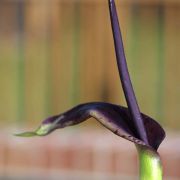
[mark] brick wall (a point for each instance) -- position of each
(80, 154)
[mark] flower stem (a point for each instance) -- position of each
(149, 164)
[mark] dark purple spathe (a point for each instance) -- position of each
(116, 118)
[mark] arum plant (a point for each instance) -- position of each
(126, 122)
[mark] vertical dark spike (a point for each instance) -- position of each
(124, 74)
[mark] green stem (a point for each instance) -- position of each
(149, 164)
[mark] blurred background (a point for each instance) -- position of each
(55, 54)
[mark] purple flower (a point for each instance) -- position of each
(127, 123)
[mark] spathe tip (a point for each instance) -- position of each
(26, 134)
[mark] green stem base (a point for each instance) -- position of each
(149, 164)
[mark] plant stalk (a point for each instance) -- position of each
(124, 74)
(150, 167)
